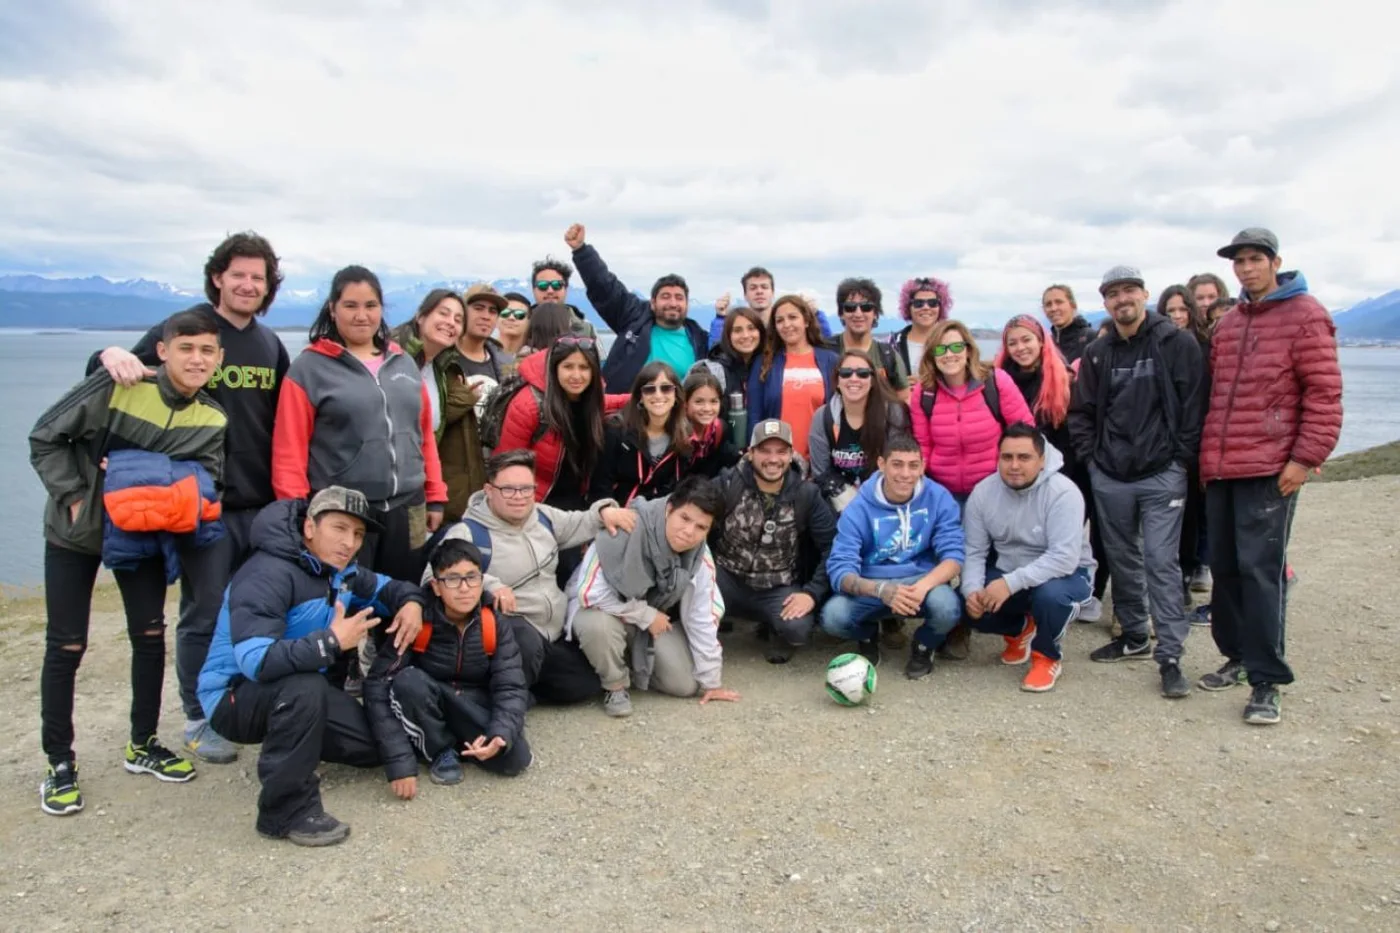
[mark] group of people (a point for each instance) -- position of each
(390, 548)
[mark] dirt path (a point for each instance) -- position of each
(957, 803)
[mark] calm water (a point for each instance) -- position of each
(35, 369)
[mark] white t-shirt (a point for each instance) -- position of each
(916, 356)
(434, 403)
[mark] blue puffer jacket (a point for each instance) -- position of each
(153, 473)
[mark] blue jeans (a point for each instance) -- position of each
(857, 618)
(1052, 605)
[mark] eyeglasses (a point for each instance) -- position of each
(925, 303)
(846, 372)
(513, 492)
(943, 349)
(550, 285)
(515, 314)
(583, 343)
(862, 306)
(454, 581)
(665, 388)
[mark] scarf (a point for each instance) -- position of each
(642, 565)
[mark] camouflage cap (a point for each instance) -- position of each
(340, 499)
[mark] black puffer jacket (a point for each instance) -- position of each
(1074, 337)
(458, 659)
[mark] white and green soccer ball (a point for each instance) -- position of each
(850, 679)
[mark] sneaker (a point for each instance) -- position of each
(1091, 610)
(892, 634)
(958, 645)
(1262, 708)
(617, 703)
(1174, 683)
(1201, 614)
(1018, 647)
(871, 650)
(920, 662)
(446, 768)
(59, 794)
(1201, 581)
(779, 652)
(1043, 674)
(1123, 649)
(153, 758)
(1231, 674)
(207, 745)
(318, 829)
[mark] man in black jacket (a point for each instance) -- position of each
(1068, 328)
(1135, 419)
(458, 691)
(656, 330)
(770, 549)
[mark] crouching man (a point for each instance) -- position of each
(292, 619)
(623, 594)
(458, 691)
(1032, 517)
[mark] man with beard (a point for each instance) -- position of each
(1135, 419)
(1029, 518)
(646, 331)
(1068, 328)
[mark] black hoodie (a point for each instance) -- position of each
(1075, 336)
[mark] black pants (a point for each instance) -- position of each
(764, 607)
(301, 721)
(437, 717)
(1248, 522)
(565, 676)
(204, 575)
(1080, 475)
(68, 581)
(397, 551)
(1193, 522)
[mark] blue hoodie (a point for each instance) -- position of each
(878, 540)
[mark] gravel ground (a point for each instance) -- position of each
(955, 803)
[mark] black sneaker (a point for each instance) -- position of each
(920, 662)
(871, 650)
(1262, 708)
(315, 830)
(59, 794)
(1123, 649)
(446, 768)
(1174, 683)
(1231, 674)
(779, 651)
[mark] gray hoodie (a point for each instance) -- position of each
(1038, 532)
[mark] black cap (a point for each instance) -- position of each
(1250, 238)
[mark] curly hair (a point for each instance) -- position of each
(246, 245)
(926, 284)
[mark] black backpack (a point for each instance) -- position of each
(493, 417)
(991, 393)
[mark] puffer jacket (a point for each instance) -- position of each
(961, 438)
(455, 657)
(627, 469)
(1276, 391)
(1073, 338)
(148, 499)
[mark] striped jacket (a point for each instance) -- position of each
(70, 440)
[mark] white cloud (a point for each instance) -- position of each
(1000, 145)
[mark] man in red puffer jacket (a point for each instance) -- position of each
(1275, 413)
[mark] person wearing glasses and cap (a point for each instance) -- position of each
(549, 282)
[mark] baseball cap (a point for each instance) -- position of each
(767, 430)
(1120, 274)
(1256, 237)
(340, 499)
(483, 292)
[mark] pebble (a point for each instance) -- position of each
(1273, 926)
(1385, 698)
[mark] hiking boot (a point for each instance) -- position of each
(920, 662)
(779, 652)
(317, 829)
(617, 703)
(958, 645)
(207, 745)
(871, 650)
(1231, 674)
(155, 759)
(1123, 649)
(446, 768)
(1262, 708)
(58, 793)
(1174, 683)
(1201, 580)
(892, 634)
(1018, 647)
(1043, 674)
(1091, 610)
(1201, 614)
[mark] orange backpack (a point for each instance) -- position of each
(488, 633)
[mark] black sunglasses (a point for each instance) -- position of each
(866, 306)
(846, 372)
(925, 303)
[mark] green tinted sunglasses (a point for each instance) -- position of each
(550, 285)
(515, 314)
(943, 349)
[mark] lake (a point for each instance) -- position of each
(35, 369)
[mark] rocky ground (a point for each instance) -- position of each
(956, 803)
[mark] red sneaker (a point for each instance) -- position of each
(1018, 647)
(1043, 674)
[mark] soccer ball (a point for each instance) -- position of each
(850, 679)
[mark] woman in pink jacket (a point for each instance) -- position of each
(953, 410)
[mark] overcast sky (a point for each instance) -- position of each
(1001, 144)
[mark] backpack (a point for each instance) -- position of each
(488, 633)
(480, 537)
(493, 416)
(990, 392)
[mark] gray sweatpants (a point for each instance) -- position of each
(607, 642)
(1141, 527)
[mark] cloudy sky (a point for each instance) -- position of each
(1001, 144)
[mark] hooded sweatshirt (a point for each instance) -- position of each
(633, 575)
(880, 540)
(1038, 532)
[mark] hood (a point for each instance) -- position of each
(478, 509)
(328, 347)
(406, 335)
(532, 368)
(277, 531)
(1290, 285)
(1150, 322)
(1077, 323)
(873, 491)
(1054, 460)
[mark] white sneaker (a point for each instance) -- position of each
(1091, 610)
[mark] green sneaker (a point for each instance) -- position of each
(154, 758)
(59, 794)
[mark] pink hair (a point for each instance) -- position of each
(1052, 404)
(926, 284)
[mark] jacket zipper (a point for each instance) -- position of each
(1234, 387)
(461, 643)
(389, 422)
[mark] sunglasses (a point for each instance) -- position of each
(865, 306)
(665, 388)
(925, 303)
(551, 285)
(515, 314)
(455, 581)
(943, 349)
(583, 343)
(846, 372)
